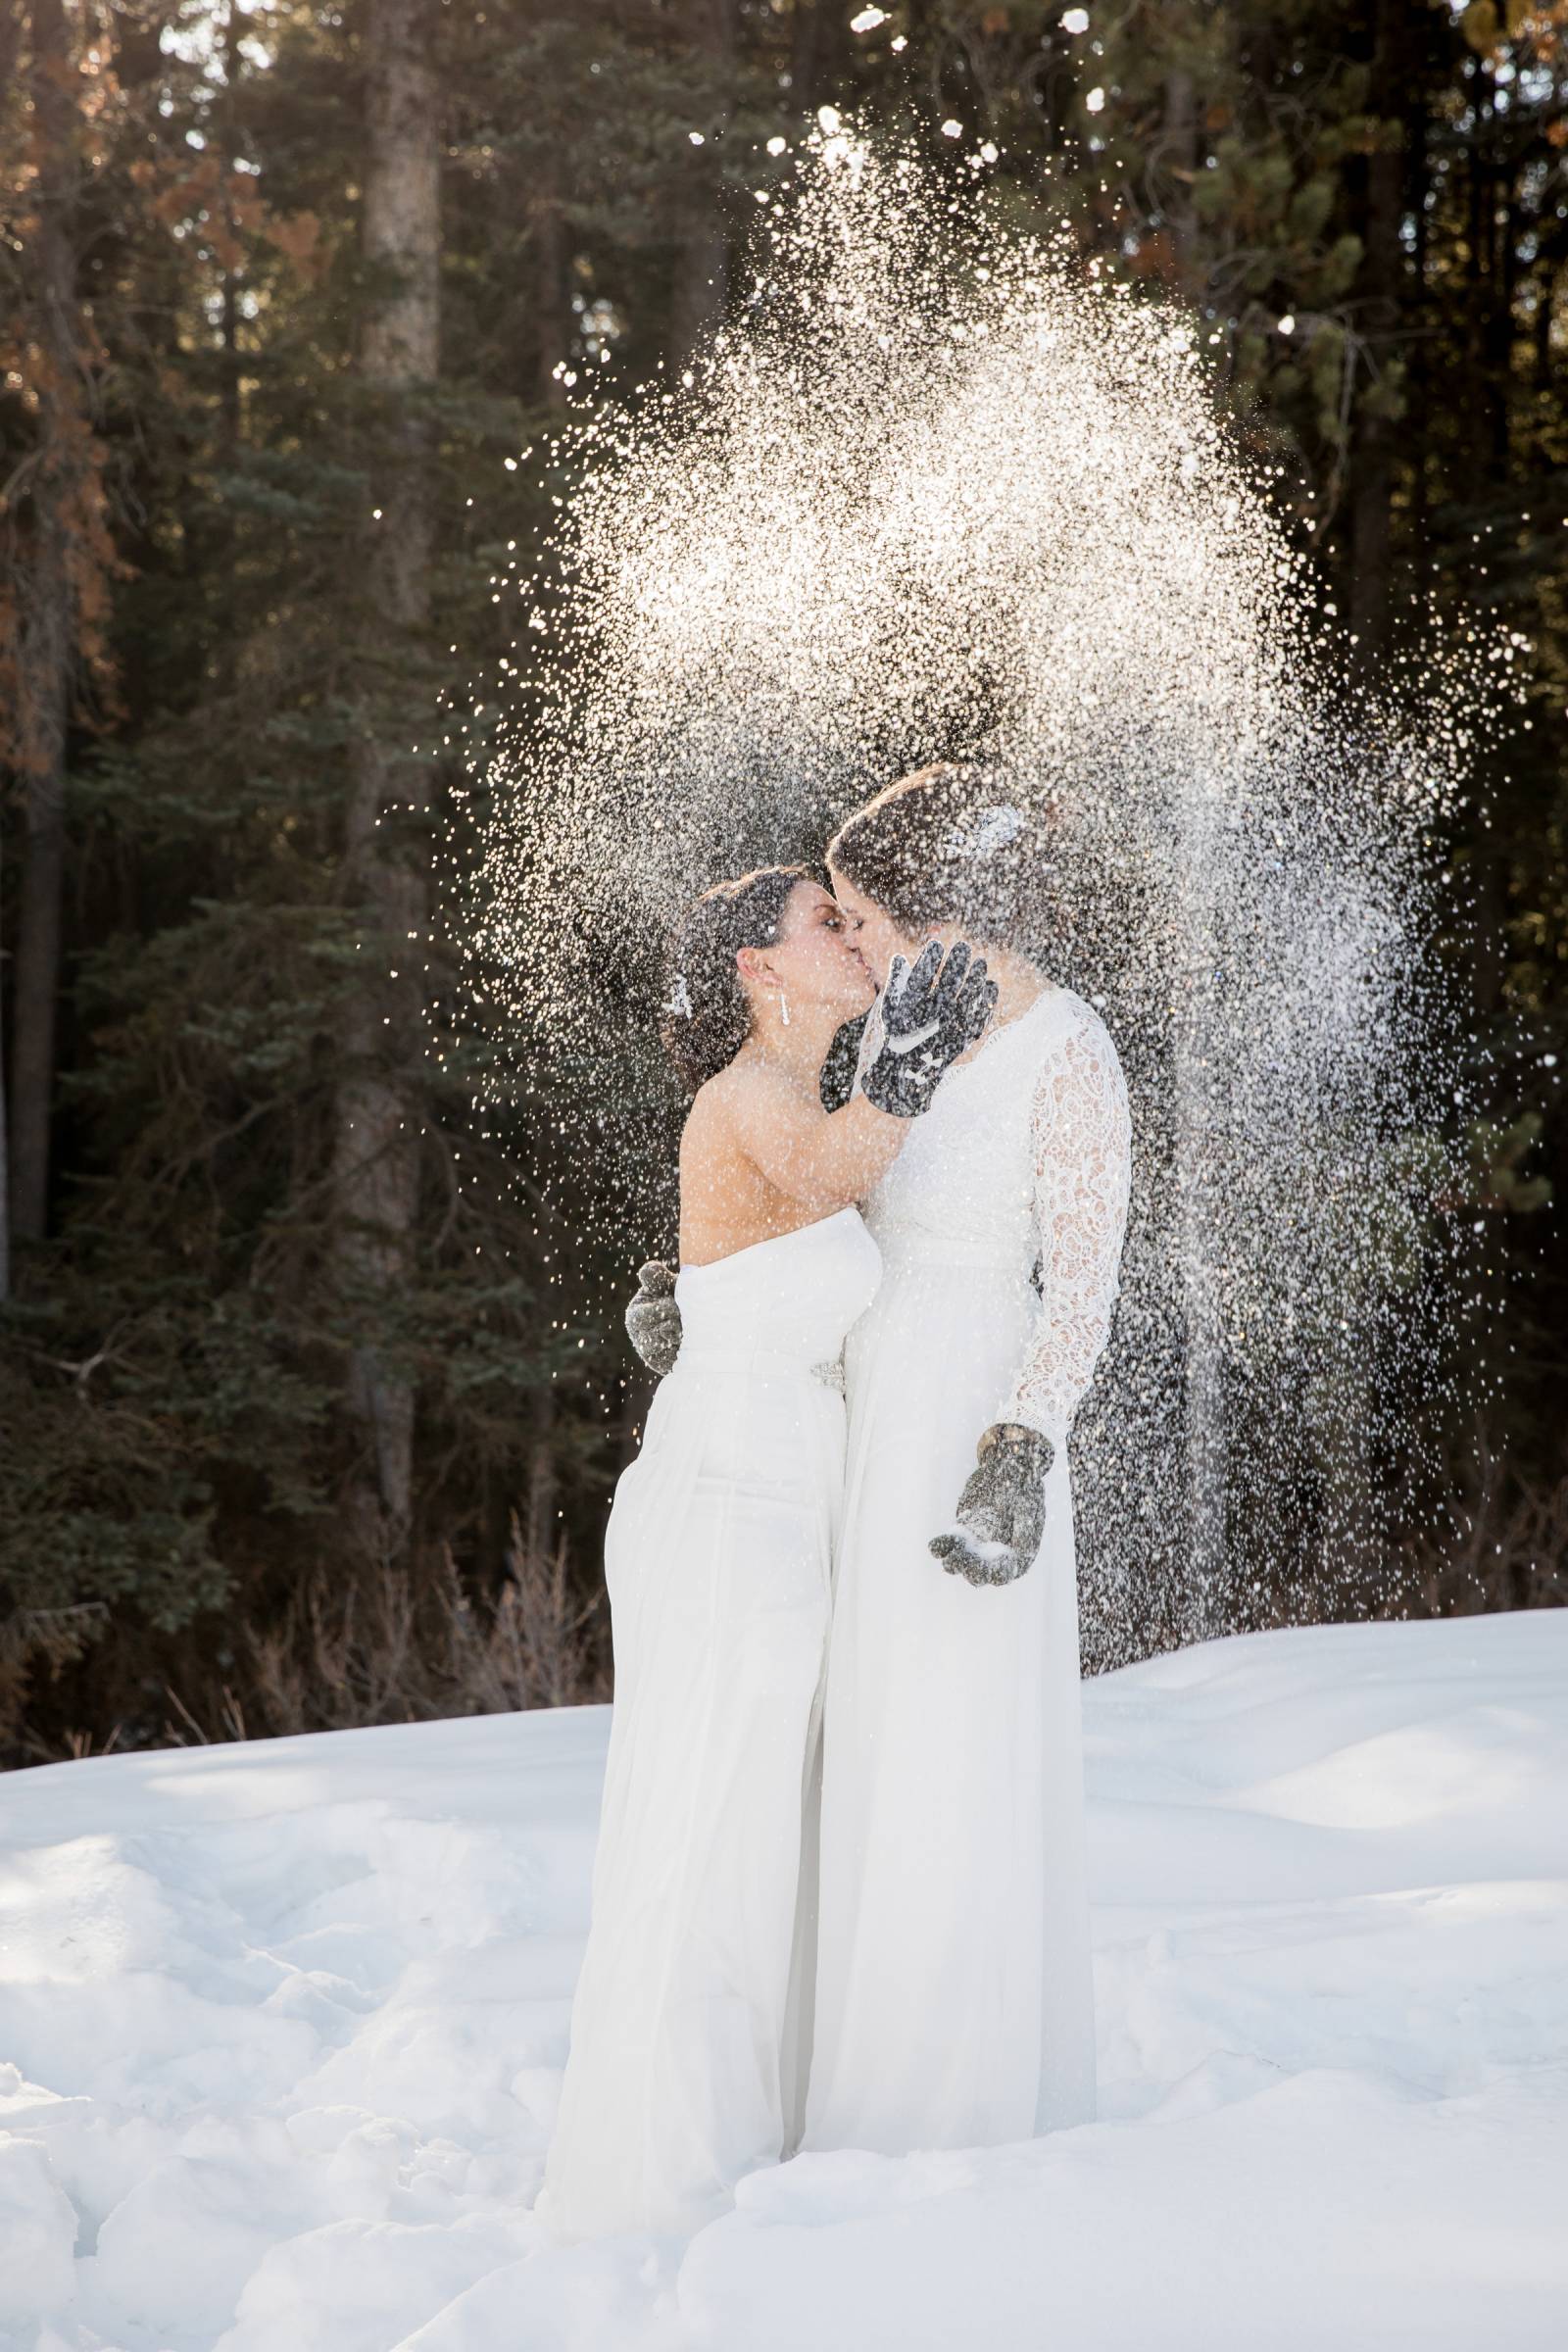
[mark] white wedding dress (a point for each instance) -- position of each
(684, 2070)
(954, 2002)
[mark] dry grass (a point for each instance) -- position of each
(416, 1643)
(1511, 1551)
(409, 1647)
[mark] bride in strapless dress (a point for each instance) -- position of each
(686, 2064)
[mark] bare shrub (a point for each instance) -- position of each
(37, 1639)
(1508, 1549)
(410, 1647)
(546, 1646)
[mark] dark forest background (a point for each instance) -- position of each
(295, 1429)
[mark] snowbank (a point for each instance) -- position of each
(281, 2028)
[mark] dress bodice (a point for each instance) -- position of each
(962, 1187)
(1023, 1163)
(794, 1296)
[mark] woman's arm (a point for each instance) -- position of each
(1082, 1179)
(769, 1124)
(927, 1016)
(825, 1160)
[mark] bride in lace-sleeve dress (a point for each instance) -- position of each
(954, 1986)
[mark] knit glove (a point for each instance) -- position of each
(1002, 1511)
(930, 1013)
(653, 1318)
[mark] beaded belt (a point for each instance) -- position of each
(731, 1361)
(909, 1250)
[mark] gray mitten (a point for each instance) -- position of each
(1002, 1511)
(930, 1014)
(652, 1319)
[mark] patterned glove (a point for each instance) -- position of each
(652, 1319)
(1002, 1511)
(929, 1017)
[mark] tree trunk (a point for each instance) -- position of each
(376, 1144)
(804, 49)
(552, 318)
(46, 635)
(702, 251)
(1420, 313)
(1377, 434)
(543, 1488)
(1181, 154)
(5, 1156)
(229, 143)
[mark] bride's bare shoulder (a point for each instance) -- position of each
(727, 1104)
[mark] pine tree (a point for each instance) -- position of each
(54, 554)
(219, 1307)
(375, 1168)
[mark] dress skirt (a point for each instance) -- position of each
(954, 2001)
(686, 2068)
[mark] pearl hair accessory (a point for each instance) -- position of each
(984, 832)
(678, 1004)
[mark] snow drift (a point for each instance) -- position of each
(281, 2028)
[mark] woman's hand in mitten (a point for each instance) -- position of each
(653, 1318)
(929, 1014)
(1002, 1511)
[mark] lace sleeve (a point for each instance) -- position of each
(1082, 1178)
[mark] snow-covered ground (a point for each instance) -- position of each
(285, 2025)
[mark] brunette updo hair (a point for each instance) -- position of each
(704, 1018)
(952, 844)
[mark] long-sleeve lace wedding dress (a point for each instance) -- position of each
(954, 2002)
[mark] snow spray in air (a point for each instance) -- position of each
(939, 493)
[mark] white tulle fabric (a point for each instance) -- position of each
(954, 2002)
(686, 2065)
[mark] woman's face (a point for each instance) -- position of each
(873, 929)
(814, 960)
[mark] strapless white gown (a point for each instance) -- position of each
(954, 2002)
(685, 2068)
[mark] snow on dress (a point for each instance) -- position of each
(718, 1560)
(954, 1998)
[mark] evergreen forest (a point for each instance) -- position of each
(298, 1426)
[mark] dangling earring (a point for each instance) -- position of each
(784, 1007)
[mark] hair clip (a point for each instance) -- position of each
(987, 830)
